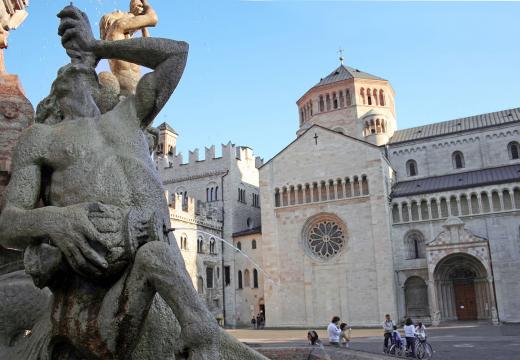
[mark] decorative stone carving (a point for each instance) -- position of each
(324, 236)
(86, 204)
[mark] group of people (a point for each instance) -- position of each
(411, 331)
(339, 333)
(258, 322)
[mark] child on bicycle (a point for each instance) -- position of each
(420, 330)
(345, 335)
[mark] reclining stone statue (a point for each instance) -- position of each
(86, 205)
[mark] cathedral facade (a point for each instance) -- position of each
(360, 219)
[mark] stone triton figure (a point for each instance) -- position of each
(86, 205)
(119, 25)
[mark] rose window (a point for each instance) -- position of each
(324, 237)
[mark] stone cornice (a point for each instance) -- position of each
(194, 177)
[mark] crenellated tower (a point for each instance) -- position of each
(352, 102)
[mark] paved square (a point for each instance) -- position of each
(458, 341)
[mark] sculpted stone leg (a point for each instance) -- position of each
(158, 269)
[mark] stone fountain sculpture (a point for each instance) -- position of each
(87, 207)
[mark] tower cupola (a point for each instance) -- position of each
(346, 101)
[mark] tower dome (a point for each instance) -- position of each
(345, 100)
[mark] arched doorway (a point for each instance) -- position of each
(463, 289)
(416, 298)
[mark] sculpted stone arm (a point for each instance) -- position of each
(20, 223)
(167, 58)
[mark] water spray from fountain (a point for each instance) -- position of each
(235, 248)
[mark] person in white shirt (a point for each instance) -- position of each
(409, 334)
(420, 330)
(334, 331)
(388, 327)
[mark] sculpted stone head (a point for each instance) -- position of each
(72, 94)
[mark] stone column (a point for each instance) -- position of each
(434, 302)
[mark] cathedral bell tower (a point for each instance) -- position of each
(351, 102)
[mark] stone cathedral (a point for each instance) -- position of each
(359, 219)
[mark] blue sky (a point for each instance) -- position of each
(250, 61)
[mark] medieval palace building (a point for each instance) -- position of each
(354, 217)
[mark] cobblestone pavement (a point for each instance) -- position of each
(460, 341)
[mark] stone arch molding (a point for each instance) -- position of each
(456, 238)
(324, 236)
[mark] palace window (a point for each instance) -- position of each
(184, 242)
(458, 160)
(239, 245)
(227, 275)
(239, 279)
(242, 195)
(209, 277)
(256, 200)
(514, 150)
(200, 245)
(411, 167)
(212, 247)
(255, 279)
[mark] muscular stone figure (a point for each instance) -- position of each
(86, 205)
(120, 25)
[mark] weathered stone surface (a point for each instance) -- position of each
(86, 204)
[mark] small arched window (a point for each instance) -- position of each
(239, 245)
(458, 160)
(362, 93)
(514, 150)
(255, 279)
(369, 97)
(212, 247)
(322, 104)
(414, 244)
(411, 168)
(253, 244)
(381, 98)
(200, 245)
(239, 279)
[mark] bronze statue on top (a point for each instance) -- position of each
(120, 25)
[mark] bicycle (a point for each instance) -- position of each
(397, 349)
(423, 349)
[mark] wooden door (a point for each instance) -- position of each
(465, 300)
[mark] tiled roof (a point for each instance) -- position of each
(165, 126)
(344, 73)
(457, 125)
(497, 175)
